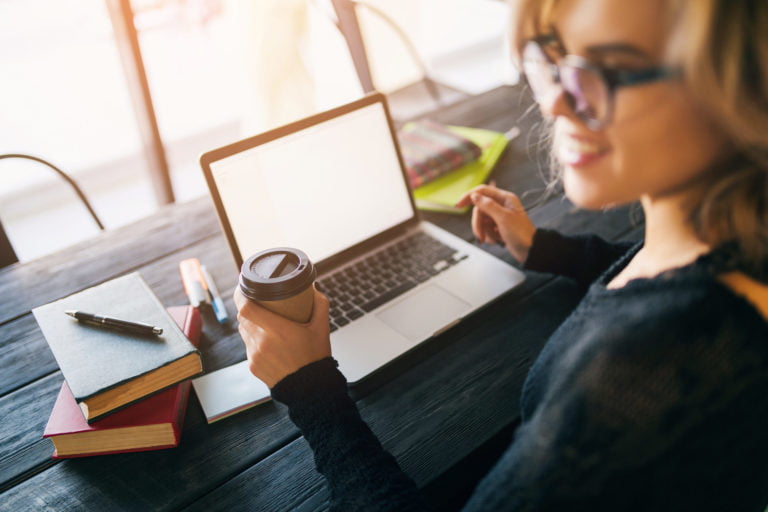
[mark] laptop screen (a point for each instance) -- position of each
(322, 189)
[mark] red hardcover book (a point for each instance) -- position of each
(150, 424)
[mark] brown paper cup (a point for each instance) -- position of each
(297, 308)
(280, 280)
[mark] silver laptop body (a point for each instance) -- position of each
(334, 186)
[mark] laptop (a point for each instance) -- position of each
(334, 186)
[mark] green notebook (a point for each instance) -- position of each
(442, 194)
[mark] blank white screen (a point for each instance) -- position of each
(322, 189)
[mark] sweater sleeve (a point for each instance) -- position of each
(582, 258)
(361, 475)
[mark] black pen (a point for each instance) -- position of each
(114, 323)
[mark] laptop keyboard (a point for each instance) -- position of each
(362, 287)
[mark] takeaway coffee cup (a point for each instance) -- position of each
(280, 280)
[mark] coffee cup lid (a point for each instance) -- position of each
(276, 274)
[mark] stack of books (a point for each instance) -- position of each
(443, 162)
(123, 391)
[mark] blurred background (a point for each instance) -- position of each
(214, 71)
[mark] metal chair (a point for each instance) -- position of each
(7, 254)
(347, 22)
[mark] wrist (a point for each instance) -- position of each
(318, 378)
(523, 247)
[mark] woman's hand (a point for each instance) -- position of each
(499, 217)
(277, 347)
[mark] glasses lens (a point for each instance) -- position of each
(584, 86)
(539, 71)
(587, 92)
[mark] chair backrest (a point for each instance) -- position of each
(7, 254)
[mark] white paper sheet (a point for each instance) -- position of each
(228, 391)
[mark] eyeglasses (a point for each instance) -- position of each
(589, 89)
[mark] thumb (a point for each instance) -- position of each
(464, 200)
(515, 202)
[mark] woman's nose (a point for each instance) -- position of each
(556, 104)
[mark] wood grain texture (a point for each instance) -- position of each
(25, 351)
(107, 255)
(207, 456)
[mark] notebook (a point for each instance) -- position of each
(334, 185)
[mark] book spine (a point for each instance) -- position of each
(181, 406)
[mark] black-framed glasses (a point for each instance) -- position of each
(589, 89)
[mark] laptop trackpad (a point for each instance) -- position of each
(421, 314)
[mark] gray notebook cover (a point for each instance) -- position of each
(93, 359)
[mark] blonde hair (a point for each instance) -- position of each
(722, 47)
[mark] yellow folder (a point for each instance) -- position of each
(442, 194)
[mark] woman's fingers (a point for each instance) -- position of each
(263, 317)
(513, 202)
(465, 200)
(239, 298)
(479, 222)
(499, 217)
(489, 190)
(503, 197)
(485, 225)
(490, 207)
(319, 318)
(276, 346)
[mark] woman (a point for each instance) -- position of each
(653, 395)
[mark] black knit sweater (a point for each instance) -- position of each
(649, 397)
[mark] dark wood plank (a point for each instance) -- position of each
(212, 454)
(32, 401)
(285, 481)
(273, 425)
(221, 345)
(207, 456)
(28, 461)
(23, 425)
(105, 256)
(24, 347)
(25, 351)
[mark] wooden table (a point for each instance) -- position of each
(444, 411)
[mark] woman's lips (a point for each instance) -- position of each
(577, 152)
